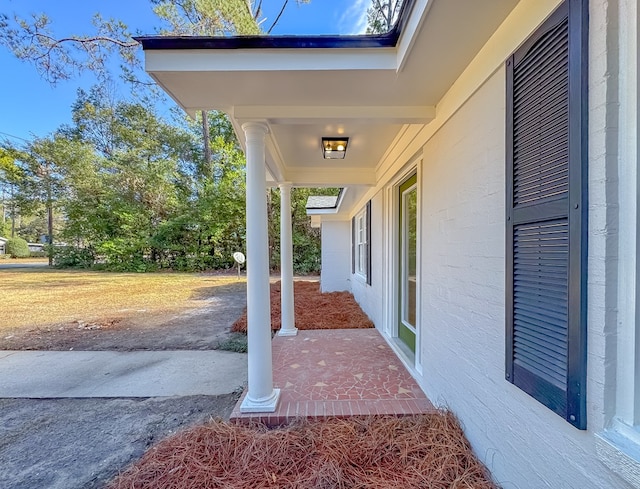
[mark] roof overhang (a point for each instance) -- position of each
(368, 88)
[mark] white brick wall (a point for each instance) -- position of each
(370, 296)
(336, 256)
(462, 187)
(524, 444)
(462, 191)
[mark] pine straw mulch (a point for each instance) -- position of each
(314, 310)
(427, 451)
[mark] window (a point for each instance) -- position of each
(546, 214)
(618, 445)
(361, 243)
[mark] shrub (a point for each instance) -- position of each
(38, 254)
(72, 257)
(17, 248)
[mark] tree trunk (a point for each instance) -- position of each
(207, 144)
(50, 226)
(273, 228)
(13, 215)
(4, 207)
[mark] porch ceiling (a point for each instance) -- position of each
(367, 94)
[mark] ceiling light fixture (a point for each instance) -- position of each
(334, 148)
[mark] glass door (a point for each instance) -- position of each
(408, 220)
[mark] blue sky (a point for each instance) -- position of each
(29, 106)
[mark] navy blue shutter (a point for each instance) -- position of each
(546, 215)
(368, 221)
(353, 245)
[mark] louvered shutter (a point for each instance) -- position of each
(353, 245)
(546, 248)
(368, 247)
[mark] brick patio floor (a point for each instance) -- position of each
(339, 372)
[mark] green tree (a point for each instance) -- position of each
(211, 18)
(210, 225)
(137, 180)
(10, 175)
(60, 58)
(306, 240)
(41, 188)
(149, 193)
(382, 15)
(63, 57)
(17, 248)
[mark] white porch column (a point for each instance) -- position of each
(288, 325)
(261, 396)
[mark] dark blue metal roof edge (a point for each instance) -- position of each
(266, 42)
(390, 39)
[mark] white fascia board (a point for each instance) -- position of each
(411, 30)
(226, 60)
(320, 114)
(331, 177)
(321, 212)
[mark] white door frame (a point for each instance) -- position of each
(392, 258)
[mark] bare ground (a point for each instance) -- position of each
(84, 443)
(201, 327)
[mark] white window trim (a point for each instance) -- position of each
(405, 257)
(618, 445)
(391, 280)
(360, 247)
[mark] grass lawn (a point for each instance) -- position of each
(8, 259)
(36, 297)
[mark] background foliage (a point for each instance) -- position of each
(129, 191)
(122, 187)
(17, 248)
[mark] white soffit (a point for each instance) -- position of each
(303, 94)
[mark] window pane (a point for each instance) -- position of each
(410, 230)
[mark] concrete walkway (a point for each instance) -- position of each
(37, 264)
(109, 374)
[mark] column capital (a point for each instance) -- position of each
(285, 184)
(255, 128)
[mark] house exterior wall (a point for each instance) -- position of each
(462, 278)
(463, 311)
(368, 296)
(336, 256)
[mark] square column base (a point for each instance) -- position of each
(288, 332)
(268, 405)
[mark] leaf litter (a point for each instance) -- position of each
(314, 309)
(373, 452)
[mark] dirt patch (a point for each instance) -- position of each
(366, 452)
(83, 443)
(203, 326)
(42, 297)
(314, 310)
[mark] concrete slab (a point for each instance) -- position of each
(82, 374)
(8, 266)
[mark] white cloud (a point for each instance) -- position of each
(354, 19)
